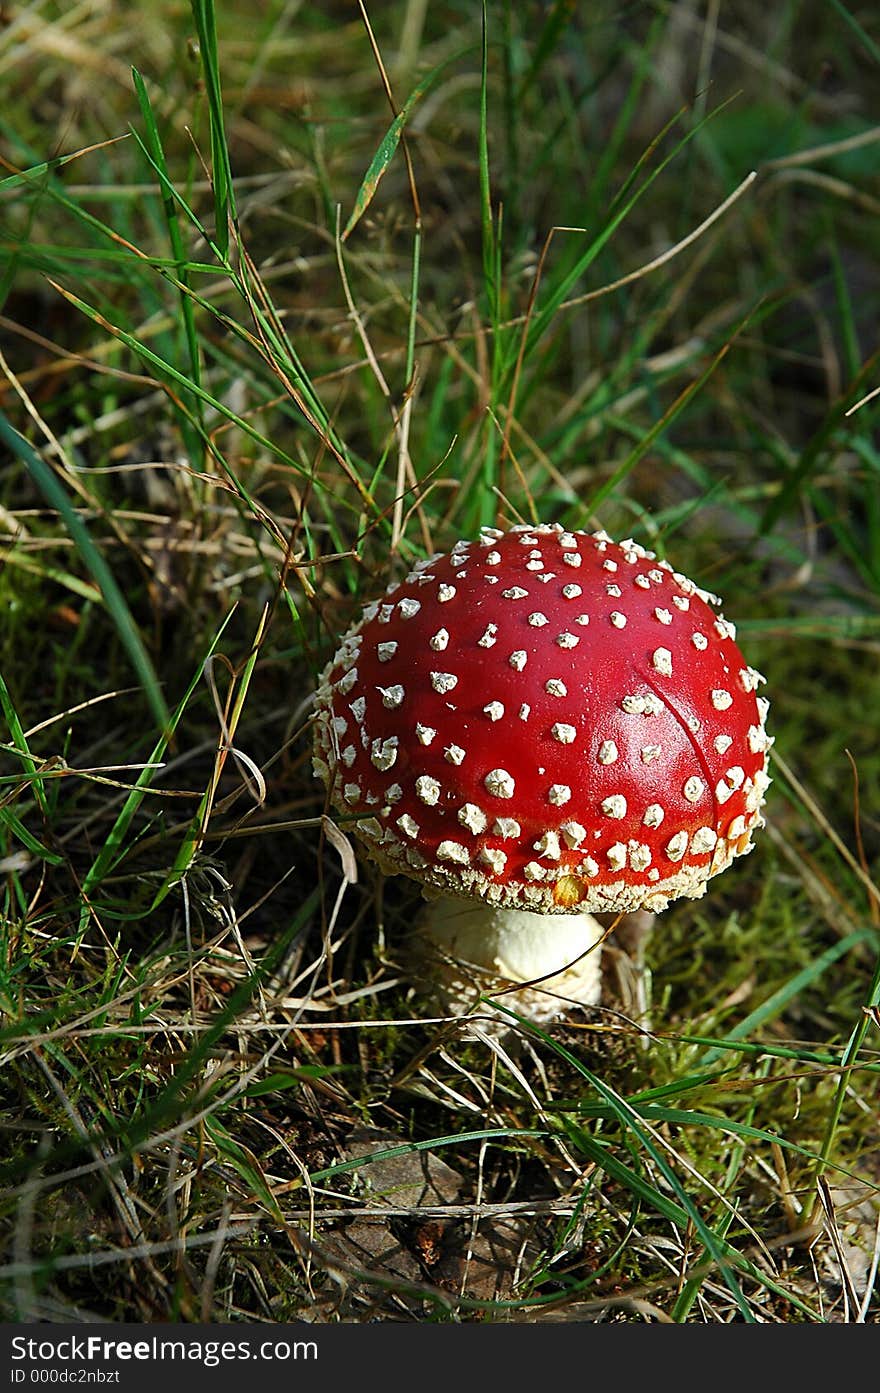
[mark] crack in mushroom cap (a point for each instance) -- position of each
(651, 728)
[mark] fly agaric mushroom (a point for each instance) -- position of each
(541, 726)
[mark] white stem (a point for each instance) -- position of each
(560, 953)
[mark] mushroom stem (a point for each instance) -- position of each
(475, 947)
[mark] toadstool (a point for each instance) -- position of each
(541, 726)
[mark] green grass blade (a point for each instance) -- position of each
(567, 281)
(869, 45)
(55, 494)
(19, 740)
(111, 850)
(777, 1002)
(814, 453)
(196, 831)
(486, 221)
(175, 237)
(613, 482)
(856, 1040)
(433, 1143)
(376, 169)
(391, 140)
(221, 169)
(243, 1160)
(168, 371)
(721, 1253)
(560, 16)
(31, 843)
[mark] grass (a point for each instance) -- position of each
(301, 299)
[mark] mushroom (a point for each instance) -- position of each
(541, 726)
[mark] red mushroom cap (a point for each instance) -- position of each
(548, 720)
